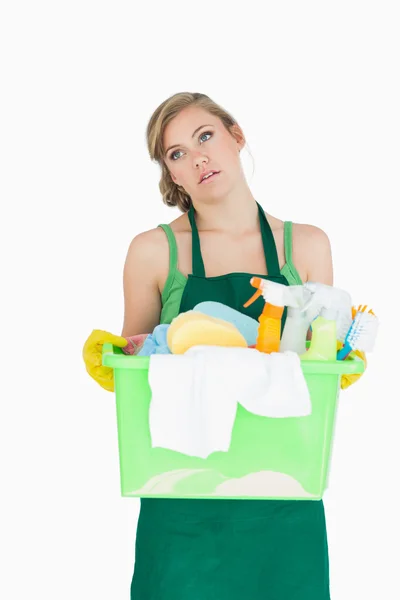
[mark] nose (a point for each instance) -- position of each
(199, 159)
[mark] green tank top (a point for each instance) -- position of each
(176, 281)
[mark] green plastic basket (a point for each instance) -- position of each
(269, 458)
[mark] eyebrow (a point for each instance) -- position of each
(194, 133)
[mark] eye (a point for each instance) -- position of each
(205, 133)
(173, 154)
(200, 136)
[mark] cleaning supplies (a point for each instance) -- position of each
(156, 342)
(295, 331)
(323, 339)
(196, 329)
(247, 326)
(296, 327)
(330, 309)
(331, 315)
(335, 303)
(179, 321)
(361, 335)
(276, 296)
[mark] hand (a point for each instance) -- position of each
(349, 378)
(92, 355)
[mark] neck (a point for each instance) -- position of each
(236, 213)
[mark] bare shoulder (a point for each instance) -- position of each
(148, 242)
(312, 253)
(148, 253)
(152, 245)
(311, 236)
(149, 250)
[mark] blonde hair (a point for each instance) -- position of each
(173, 194)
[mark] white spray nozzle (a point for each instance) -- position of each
(278, 294)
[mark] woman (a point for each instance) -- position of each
(218, 549)
(247, 549)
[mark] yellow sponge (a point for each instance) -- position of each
(189, 316)
(196, 329)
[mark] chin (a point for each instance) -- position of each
(214, 196)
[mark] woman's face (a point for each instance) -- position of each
(200, 142)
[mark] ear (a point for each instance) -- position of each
(238, 134)
(174, 179)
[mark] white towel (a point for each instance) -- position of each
(195, 395)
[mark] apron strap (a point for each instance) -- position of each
(270, 252)
(197, 259)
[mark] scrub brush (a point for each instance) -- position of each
(360, 308)
(361, 334)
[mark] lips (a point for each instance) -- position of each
(210, 177)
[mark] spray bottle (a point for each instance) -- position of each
(295, 331)
(276, 296)
(330, 316)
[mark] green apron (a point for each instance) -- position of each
(230, 549)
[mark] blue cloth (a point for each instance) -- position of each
(156, 342)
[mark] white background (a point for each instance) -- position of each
(315, 86)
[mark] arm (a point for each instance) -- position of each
(142, 303)
(142, 299)
(313, 255)
(318, 256)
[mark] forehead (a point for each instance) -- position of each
(184, 124)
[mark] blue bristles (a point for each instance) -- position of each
(361, 335)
